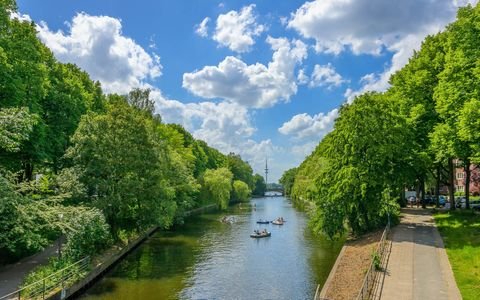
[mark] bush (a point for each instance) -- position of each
(88, 234)
(241, 191)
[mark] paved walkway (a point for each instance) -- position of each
(418, 266)
(11, 276)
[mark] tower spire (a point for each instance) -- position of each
(266, 170)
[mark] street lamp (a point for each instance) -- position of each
(60, 216)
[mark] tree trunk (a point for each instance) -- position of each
(28, 171)
(417, 192)
(467, 183)
(422, 190)
(451, 184)
(437, 188)
(402, 198)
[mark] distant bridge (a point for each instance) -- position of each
(274, 192)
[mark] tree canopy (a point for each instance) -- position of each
(405, 137)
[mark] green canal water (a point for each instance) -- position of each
(208, 259)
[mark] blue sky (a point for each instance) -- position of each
(260, 78)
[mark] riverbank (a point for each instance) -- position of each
(346, 277)
(109, 258)
(12, 276)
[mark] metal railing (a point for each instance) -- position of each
(53, 283)
(370, 277)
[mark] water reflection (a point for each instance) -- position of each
(208, 259)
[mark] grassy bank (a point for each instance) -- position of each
(461, 233)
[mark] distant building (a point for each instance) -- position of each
(460, 178)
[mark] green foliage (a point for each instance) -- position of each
(241, 191)
(26, 224)
(125, 184)
(469, 127)
(16, 124)
(288, 179)
(88, 234)
(219, 184)
(377, 262)
(241, 170)
(383, 143)
(40, 273)
(260, 186)
(359, 160)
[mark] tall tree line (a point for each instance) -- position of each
(72, 156)
(410, 136)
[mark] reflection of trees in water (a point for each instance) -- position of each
(156, 259)
(168, 253)
(321, 258)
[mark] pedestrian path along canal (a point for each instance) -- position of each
(208, 259)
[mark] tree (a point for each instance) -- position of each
(120, 167)
(363, 159)
(287, 180)
(219, 184)
(458, 84)
(241, 191)
(140, 98)
(260, 186)
(413, 89)
(24, 83)
(70, 96)
(469, 127)
(241, 170)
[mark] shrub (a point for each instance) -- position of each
(88, 234)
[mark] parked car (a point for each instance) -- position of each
(442, 200)
(429, 200)
(475, 205)
(460, 202)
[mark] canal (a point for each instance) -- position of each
(208, 259)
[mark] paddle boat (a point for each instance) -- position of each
(260, 234)
(278, 221)
(263, 222)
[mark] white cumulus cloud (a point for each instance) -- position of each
(202, 28)
(254, 85)
(237, 30)
(366, 26)
(225, 126)
(373, 27)
(305, 126)
(325, 75)
(97, 45)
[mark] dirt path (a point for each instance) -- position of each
(418, 266)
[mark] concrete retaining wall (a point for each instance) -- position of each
(326, 286)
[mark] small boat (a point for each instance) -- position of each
(258, 234)
(279, 221)
(263, 222)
